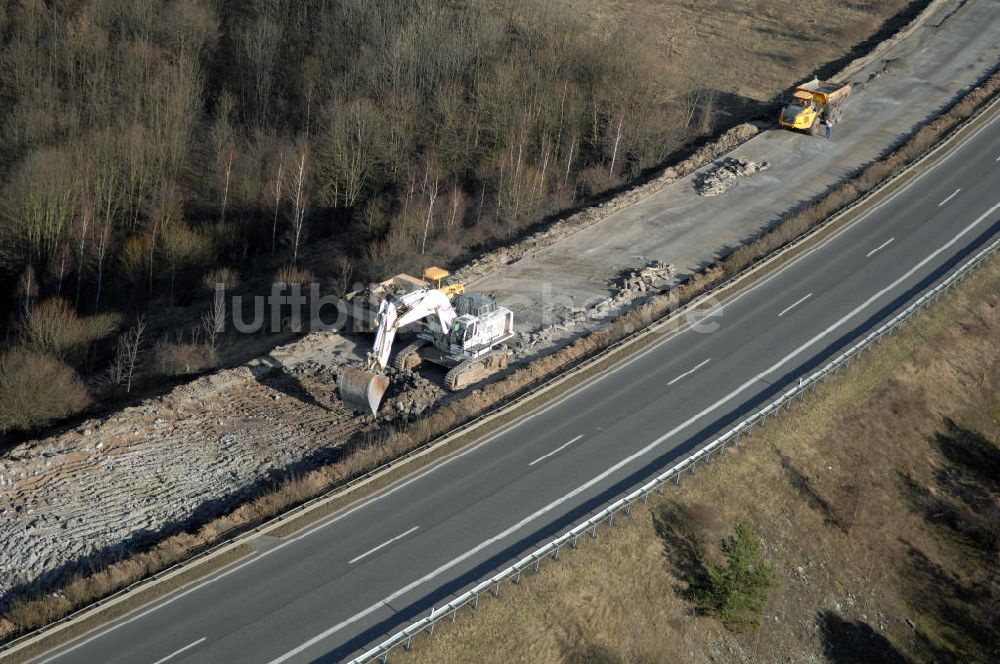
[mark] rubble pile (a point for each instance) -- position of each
(717, 180)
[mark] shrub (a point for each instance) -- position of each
(294, 275)
(54, 327)
(737, 591)
(180, 359)
(36, 389)
(226, 276)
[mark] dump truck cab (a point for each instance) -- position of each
(800, 112)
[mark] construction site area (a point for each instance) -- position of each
(86, 496)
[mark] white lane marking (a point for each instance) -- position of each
(629, 459)
(401, 484)
(953, 195)
(689, 372)
(879, 248)
(382, 545)
(794, 304)
(179, 651)
(556, 451)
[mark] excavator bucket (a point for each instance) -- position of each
(362, 390)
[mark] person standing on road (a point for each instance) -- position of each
(829, 128)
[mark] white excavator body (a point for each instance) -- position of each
(467, 343)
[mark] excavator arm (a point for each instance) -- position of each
(364, 389)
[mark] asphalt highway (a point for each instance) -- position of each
(331, 591)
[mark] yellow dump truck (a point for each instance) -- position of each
(810, 102)
(364, 303)
(442, 280)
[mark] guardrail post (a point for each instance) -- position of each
(555, 556)
(385, 657)
(538, 562)
(430, 629)
(517, 578)
(574, 542)
(475, 602)
(593, 532)
(645, 498)
(496, 590)
(406, 646)
(454, 614)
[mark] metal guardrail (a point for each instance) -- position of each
(623, 506)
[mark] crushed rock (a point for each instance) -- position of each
(717, 180)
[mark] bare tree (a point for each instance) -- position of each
(618, 138)
(432, 192)
(27, 289)
(299, 207)
(103, 238)
(213, 321)
(225, 188)
(277, 203)
(82, 228)
(122, 368)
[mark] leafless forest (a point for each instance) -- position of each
(151, 148)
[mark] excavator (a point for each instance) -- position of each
(464, 334)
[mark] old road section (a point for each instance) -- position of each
(328, 592)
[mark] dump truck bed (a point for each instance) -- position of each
(364, 304)
(825, 92)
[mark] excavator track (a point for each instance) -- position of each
(408, 357)
(474, 370)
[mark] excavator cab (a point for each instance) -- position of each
(443, 280)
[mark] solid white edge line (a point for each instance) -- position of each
(879, 248)
(556, 451)
(794, 304)
(632, 457)
(743, 292)
(689, 372)
(382, 545)
(953, 195)
(179, 651)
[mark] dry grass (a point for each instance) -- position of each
(385, 445)
(878, 502)
(181, 359)
(749, 49)
(294, 275)
(227, 276)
